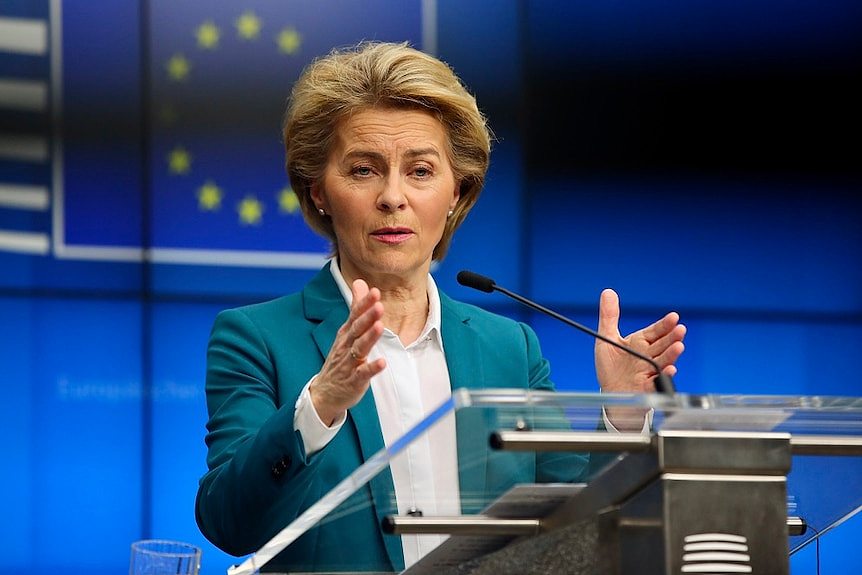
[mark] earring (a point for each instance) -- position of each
(449, 215)
(321, 211)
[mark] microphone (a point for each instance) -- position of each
(663, 382)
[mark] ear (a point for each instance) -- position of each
(316, 194)
(456, 196)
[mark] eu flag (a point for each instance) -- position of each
(159, 138)
(220, 75)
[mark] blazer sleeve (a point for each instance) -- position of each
(257, 467)
(539, 369)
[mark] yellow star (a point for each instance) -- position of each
(248, 25)
(250, 211)
(288, 40)
(178, 67)
(179, 161)
(208, 35)
(287, 201)
(209, 197)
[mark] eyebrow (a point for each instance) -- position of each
(413, 153)
(422, 152)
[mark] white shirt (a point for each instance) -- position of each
(414, 383)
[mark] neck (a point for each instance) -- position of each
(405, 301)
(405, 312)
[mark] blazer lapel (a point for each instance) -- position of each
(461, 344)
(366, 424)
(324, 304)
(464, 360)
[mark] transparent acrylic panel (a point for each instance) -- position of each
(823, 490)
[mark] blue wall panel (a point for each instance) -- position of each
(17, 421)
(80, 434)
(698, 244)
(179, 337)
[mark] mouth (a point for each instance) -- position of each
(394, 235)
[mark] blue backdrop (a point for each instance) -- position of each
(692, 157)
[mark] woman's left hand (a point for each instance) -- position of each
(621, 372)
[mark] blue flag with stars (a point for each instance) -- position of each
(221, 74)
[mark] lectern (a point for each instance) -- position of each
(711, 484)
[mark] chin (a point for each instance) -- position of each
(396, 264)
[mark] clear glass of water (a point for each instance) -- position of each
(162, 557)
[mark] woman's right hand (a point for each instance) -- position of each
(346, 374)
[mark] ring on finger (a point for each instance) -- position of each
(356, 357)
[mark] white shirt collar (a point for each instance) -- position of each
(432, 324)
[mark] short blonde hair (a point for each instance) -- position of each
(373, 75)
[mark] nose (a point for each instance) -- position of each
(392, 197)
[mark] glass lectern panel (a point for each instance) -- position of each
(446, 466)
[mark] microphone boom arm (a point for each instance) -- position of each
(663, 383)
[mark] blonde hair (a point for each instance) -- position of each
(374, 75)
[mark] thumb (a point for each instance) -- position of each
(609, 314)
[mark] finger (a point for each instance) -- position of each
(364, 299)
(369, 369)
(357, 356)
(362, 345)
(359, 289)
(358, 326)
(657, 347)
(669, 356)
(609, 314)
(662, 327)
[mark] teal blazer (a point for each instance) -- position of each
(258, 361)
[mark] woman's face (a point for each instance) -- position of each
(388, 187)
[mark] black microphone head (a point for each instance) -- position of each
(476, 281)
(664, 384)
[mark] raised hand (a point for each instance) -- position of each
(346, 373)
(618, 371)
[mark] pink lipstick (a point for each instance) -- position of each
(392, 235)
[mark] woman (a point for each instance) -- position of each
(387, 153)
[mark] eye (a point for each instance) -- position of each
(422, 172)
(363, 171)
